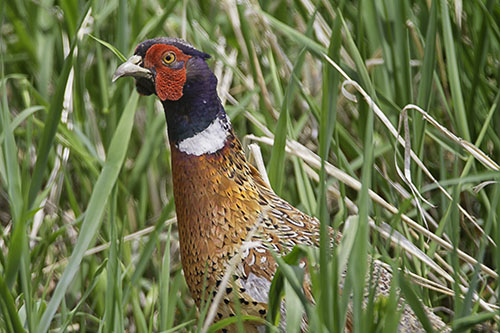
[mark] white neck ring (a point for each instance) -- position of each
(208, 141)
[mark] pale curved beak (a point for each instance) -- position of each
(131, 68)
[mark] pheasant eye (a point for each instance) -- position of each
(169, 58)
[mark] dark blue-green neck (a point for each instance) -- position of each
(198, 107)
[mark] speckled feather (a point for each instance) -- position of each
(219, 198)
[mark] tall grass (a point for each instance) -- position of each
(86, 208)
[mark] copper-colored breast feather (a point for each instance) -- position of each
(216, 204)
(219, 199)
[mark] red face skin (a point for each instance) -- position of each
(170, 65)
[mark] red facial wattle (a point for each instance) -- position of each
(170, 78)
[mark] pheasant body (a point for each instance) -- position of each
(220, 198)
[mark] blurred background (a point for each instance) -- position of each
(88, 236)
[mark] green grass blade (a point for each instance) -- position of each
(9, 307)
(427, 72)
(398, 15)
(359, 255)
(20, 118)
(412, 300)
(480, 57)
(454, 73)
(13, 189)
(164, 285)
(358, 60)
(297, 36)
(327, 125)
(294, 309)
(148, 249)
(110, 47)
(113, 304)
(122, 26)
(53, 117)
(277, 163)
(95, 209)
(18, 252)
(469, 323)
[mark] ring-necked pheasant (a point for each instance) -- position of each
(219, 196)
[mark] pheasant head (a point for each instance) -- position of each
(165, 66)
(178, 74)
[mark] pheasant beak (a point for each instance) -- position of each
(132, 68)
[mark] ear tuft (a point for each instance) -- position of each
(184, 46)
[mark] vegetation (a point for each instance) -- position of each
(88, 240)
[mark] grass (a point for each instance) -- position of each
(88, 240)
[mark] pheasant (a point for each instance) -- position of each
(221, 199)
